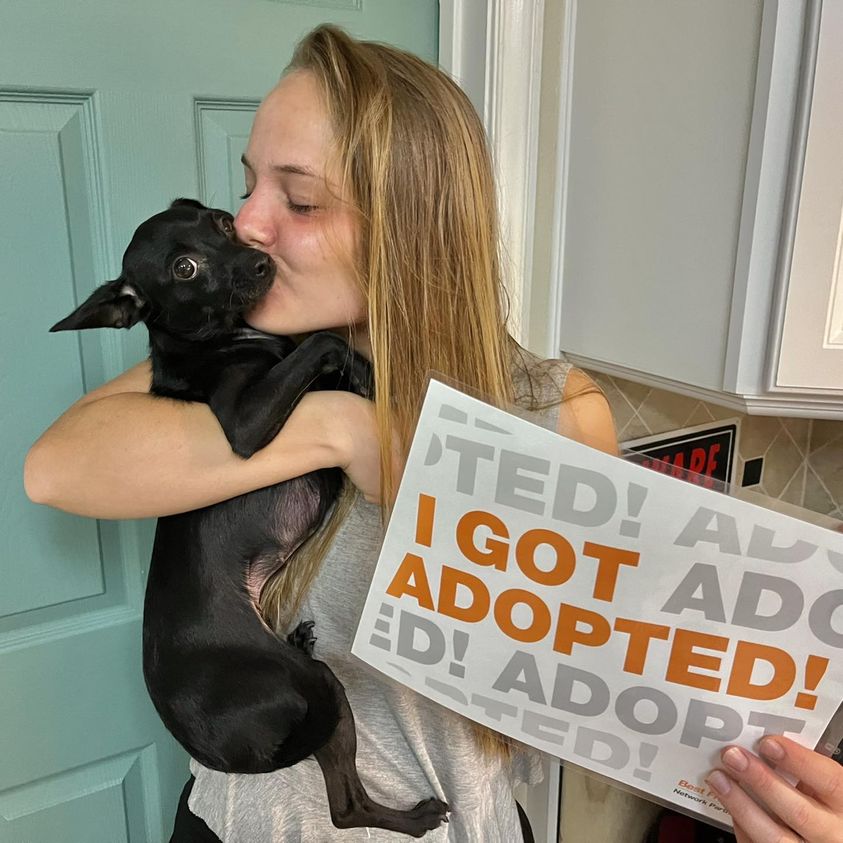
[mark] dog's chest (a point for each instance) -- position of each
(195, 375)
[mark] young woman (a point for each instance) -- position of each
(368, 181)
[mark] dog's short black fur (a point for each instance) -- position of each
(238, 698)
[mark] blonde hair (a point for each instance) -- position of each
(415, 165)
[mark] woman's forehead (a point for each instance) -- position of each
(292, 127)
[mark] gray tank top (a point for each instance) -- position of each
(409, 748)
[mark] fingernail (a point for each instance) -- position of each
(735, 758)
(719, 782)
(771, 748)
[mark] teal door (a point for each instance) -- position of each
(108, 110)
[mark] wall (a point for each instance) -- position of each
(802, 458)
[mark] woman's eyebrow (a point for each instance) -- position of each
(294, 169)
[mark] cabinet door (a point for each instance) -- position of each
(659, 116)
(811, 353)
(108, 110)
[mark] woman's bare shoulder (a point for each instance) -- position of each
(585, 415)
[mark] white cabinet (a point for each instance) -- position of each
(811, 347)
(700, 191)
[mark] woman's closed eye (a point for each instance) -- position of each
(296, 208)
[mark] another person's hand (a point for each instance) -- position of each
(813, 813)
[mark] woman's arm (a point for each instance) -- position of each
(120, 452)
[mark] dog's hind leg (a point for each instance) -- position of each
(350, 804)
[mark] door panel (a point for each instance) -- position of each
(108, 111)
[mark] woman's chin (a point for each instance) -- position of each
(255, 318)
(264, 316)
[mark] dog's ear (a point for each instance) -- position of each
(187, 203)
(113, 305)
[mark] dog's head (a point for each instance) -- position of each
(183, 272)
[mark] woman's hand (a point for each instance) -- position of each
(355, 436)
(812, 813)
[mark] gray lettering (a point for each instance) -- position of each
(710, 720)
(775, 724)
(428, 647)
(819, 618)
(588, 740)
(666, 713)
(521, 674)
(570, 480)
(710, 600)
(469, 454)
(567, 679)
(761, 547)
(724, 534)
(753, 585)
(495, 709)
(511, 482)
(546, 728)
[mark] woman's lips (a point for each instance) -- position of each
(271, 292)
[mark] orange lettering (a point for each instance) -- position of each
(746, 655)
(683, 657)
(567, 633)
(525, 555)
(640, 635)
(609, 559)
(496, 552)
(539, 626)
(411, 579)
(424, 520)
(477, 609)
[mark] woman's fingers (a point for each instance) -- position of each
(740, 834)
(795, 814)
(819, 776)
(753, 823)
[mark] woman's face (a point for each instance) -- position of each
(293, 212)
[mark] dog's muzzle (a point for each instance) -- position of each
(258, 275)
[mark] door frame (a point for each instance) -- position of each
(493, 48)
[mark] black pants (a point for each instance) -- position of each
(189, 828)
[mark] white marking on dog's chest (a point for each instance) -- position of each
(251, 334)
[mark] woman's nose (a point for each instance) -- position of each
(253, 225)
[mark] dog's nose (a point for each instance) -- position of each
(262, 266)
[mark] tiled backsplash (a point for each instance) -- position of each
(802, 458)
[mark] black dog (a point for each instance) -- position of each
(237, 698)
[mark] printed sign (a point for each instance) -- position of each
(702, 454)
(604, 613)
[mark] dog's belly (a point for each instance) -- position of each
(210, 563)
(294, 512)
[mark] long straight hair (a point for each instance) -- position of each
(416, 168)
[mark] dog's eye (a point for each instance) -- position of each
(227, 226)
(185, 268)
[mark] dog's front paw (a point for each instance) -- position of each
(302, 637)
(427, 815)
